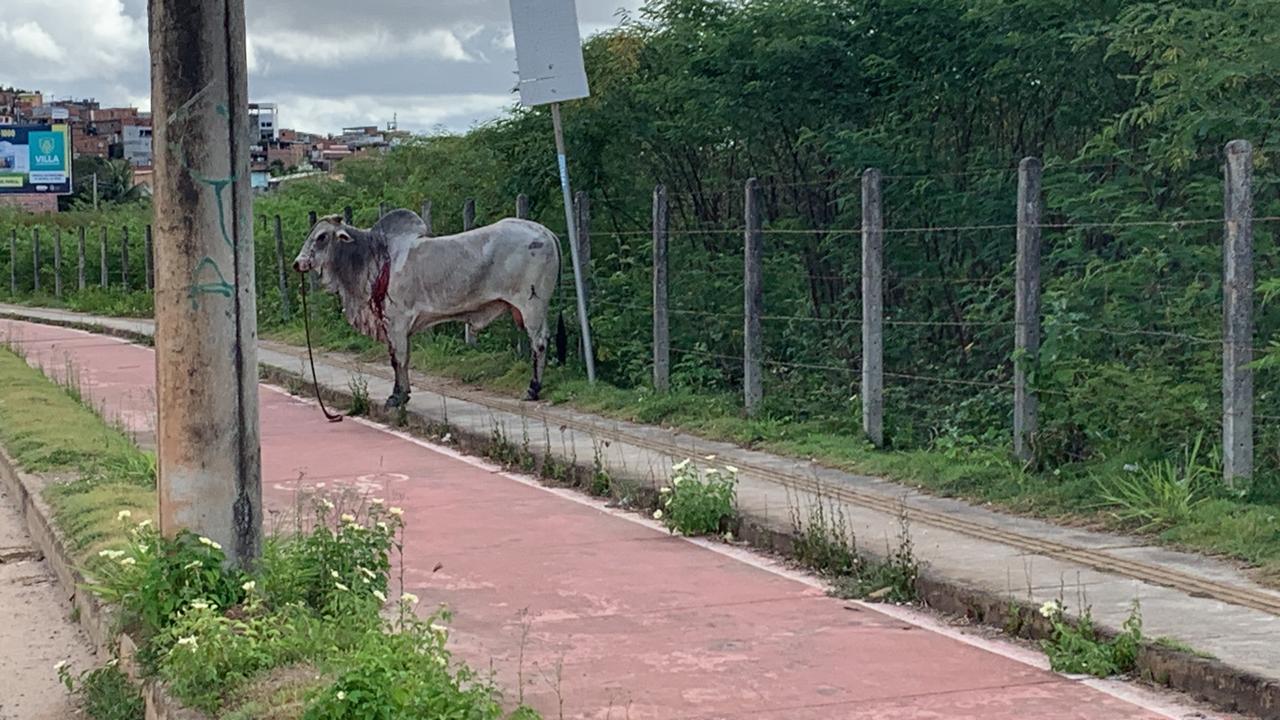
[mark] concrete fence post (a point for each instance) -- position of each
(382, 210)
(753, 303)
(35, 259)
(468, 223)
(522, 206)
(103, 269)
(872, 389)
(1026, 331)
(281, 263)
(13, 262)
(661, 320)
(582, 218)
(148, 271)
(124, 258)
(57, 262)
(80, 265)
(426, 216)
(1237, 314)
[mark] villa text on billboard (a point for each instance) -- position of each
(35, 159)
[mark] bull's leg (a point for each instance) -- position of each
(538, 336)
(398, 345)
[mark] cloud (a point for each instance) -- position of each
(419, 113)
(447, 62)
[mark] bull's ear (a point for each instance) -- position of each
(342, 235)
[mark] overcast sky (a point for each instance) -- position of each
(327, 63)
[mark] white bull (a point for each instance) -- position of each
(394, 280)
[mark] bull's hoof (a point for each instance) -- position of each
(397, 401)
(531, 395)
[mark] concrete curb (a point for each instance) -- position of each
(97, 619)
(1208, 680)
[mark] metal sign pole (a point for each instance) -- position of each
(573, 244)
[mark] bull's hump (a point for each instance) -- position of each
(401, 224)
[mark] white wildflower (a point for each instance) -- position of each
(709, 458)
(189, 641)
(376, 501)
(111, 554)
(191, 565)
(441, 661)
(128, 561)
(383, 527)
(408, 598)
(396, 511)
(342, 695)
(144, 524)
(123, 515)
(1130, 467)
(1051, 609)
(206, 541)
(728, 537)
(378, 594)
(657, 514)
(249, 586)
(665, 491)
(731, 469)
(61, 664)
(199, 604)
(326, 504)
(681, 465)
(348, 518)
(438, 628)
(368, 573)
(334, 574)
(342, 587)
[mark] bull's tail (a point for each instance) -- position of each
(562, 334)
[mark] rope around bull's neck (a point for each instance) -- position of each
(306, 326)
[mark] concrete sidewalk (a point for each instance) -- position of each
(1210, 605)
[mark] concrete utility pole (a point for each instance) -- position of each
(1237, 314)
(1026, 332)
(872, 390)
(206, 333)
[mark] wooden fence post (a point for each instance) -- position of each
(1237, 314)
(872, 390)
(148, 270)
(1026, 335)
(13, 262)
(753, 303)
(426, 216)
(124, 258)
(102, 257)
(522, 206)
(661, 321)
(469, 222)
(280, 268)
(80, 248)
(35, 259)
(57, 262)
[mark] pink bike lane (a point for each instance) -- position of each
(603, 614)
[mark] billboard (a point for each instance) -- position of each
(35, 159)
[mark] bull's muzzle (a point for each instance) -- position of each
(300, 266)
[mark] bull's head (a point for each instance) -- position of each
(318, 251)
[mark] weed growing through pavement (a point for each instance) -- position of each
(315, 599)
(1076, 647)
(1156, 496)
(601, 483)
(105, 691)
(824, 542)
(699, 503)
(359, 388)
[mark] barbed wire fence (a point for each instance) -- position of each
(875, 321)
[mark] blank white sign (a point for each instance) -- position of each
(548, 51)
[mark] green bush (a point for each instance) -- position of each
(1075, 647)
(698, 503)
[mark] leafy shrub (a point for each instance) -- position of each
(1077, 648)
(698, 503)
(107, 693)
